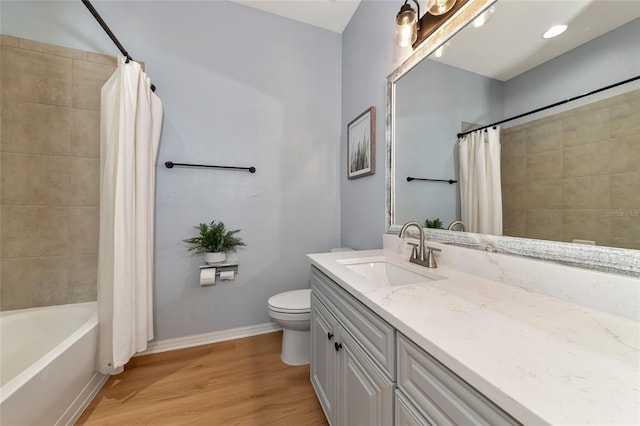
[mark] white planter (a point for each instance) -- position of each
(211, 258)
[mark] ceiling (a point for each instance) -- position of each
(487, 51)
(333, 15)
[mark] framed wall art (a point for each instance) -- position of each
(361, 145)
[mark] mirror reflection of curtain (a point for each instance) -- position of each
(480, 188)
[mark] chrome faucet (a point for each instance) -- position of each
(457, 222)
(419, 255)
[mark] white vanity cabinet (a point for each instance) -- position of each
(350, 349)
(429, 393)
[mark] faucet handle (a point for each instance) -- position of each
(414, 252)
(431, 259)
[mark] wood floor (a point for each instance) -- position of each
(239, 382)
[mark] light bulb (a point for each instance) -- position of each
(406, 33)
(439, 7)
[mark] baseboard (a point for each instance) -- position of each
(73, 413)
(207, 338)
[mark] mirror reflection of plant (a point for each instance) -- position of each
(214, 238)
(435, 223)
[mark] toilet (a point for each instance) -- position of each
(292, 311)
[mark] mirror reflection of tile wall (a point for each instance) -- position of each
(49, 148)
(576, 175)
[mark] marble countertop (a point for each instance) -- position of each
(541, 359)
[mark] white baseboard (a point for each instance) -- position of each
(83, 400)
(207, 338)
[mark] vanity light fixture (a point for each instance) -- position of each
(412, 29)
(554, 31)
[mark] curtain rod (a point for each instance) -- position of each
(552, 105)
(107, 30)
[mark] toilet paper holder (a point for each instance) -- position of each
(222, 267)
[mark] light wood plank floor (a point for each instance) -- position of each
(238, 382)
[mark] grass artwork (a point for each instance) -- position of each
(361, 145)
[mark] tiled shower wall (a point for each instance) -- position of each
(49, 166)
(576, 175)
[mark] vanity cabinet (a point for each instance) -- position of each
(430, 393)
(350, 347)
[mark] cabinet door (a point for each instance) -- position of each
(323, 357)
(406, 412)
(366, 395)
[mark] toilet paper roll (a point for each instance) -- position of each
(207, 276)
(227, 275)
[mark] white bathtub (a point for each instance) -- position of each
(47, 364)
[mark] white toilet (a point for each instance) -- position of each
(292, 310)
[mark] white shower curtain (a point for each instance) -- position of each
(480, 186)
(130, 123)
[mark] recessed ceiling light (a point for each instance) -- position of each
(554, 31)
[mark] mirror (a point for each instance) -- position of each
(569, 173)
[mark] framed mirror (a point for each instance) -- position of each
(569, 175)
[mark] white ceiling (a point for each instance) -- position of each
(333, 15)
(511, 42)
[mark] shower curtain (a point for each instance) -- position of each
(130, 123)
(480, 186)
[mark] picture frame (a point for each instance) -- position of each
(361, 145)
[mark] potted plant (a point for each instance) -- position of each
(436, 223)
(215, 241)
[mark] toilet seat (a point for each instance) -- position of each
(291, 302)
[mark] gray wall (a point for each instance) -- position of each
(369, 55)
(608, 59)
(267, 96)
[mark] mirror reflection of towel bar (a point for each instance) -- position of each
(171, 164)
(451, 181)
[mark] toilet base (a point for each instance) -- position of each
(296, 346)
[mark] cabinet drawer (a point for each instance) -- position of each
(406, 413)
(375, 335)
(443, 397)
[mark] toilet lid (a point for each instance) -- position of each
(291, 301)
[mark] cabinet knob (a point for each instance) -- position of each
(329, 335)
(338, 346)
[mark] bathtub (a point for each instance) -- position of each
(47, 364)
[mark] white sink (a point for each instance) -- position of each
(384, 273)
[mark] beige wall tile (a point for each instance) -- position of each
(33, 231)
(85, 182)
(625, 230)
(513, 197)
(589, 127)
(588, 192)
(88, 79)
(33, 281)
(625, 191)
(51, 135)
(513, 144)
(586, 160)
(83, 230)
(85, 133)
(624, 154)
(102, 59)
(625, 118)
(514, 223)
(7, 40)
(544, 194)
(34, 179)
(543, 166)
(586, 224)
(52, 49)
(544, 224)
(547, 136)
(514, 169)
(82, 285)
(36, 77)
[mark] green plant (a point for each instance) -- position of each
(214, 238)
(436, 223)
